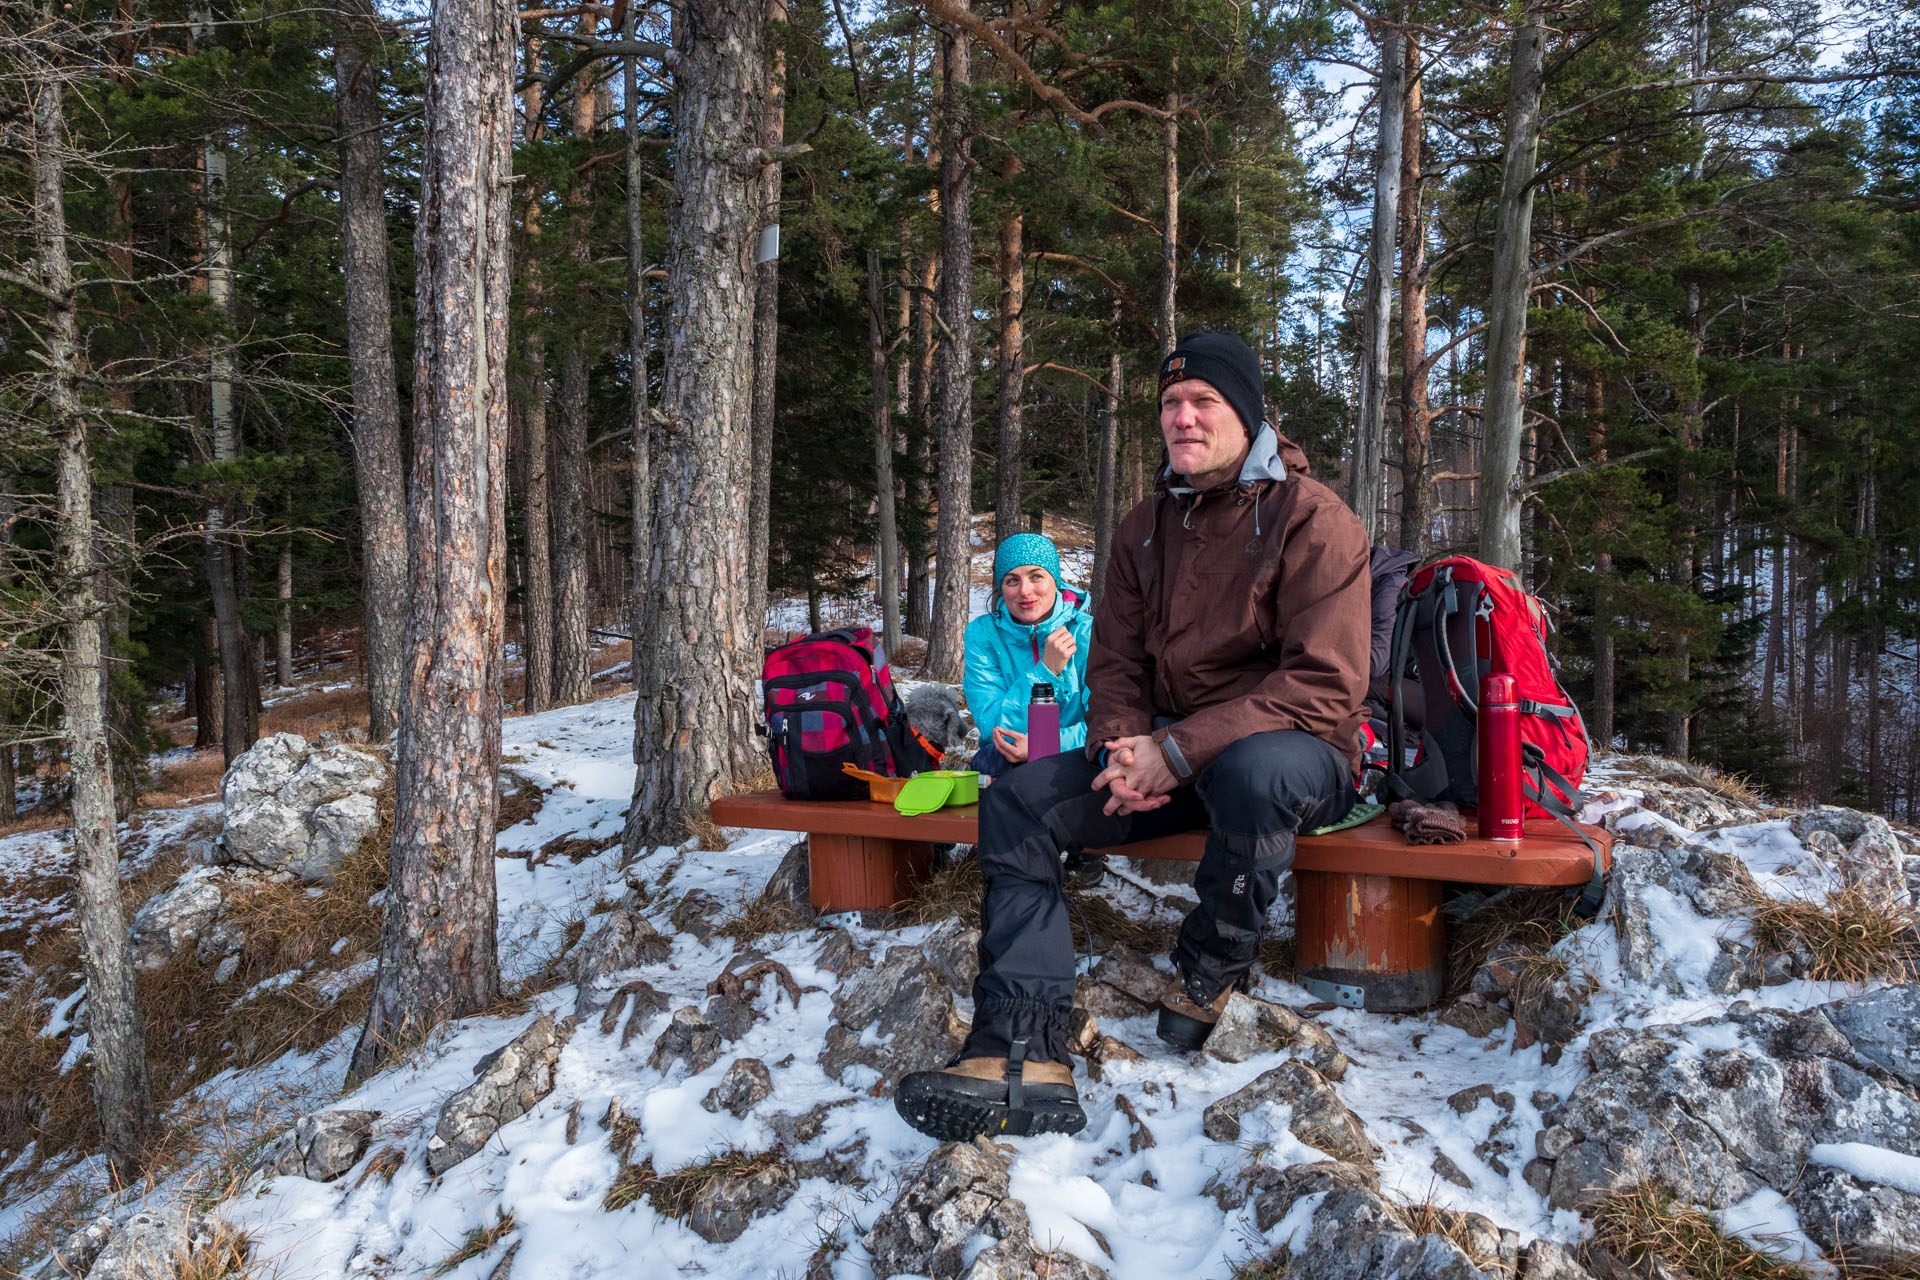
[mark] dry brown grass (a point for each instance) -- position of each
(1530, 918)
(312, 714)
(1429, 1218)
(520, 800)
(673, 1194)
(1846, 1268)
(1858, 934)
(952, 892)
(191, 781)
(1649, 1222)
(478, 1242)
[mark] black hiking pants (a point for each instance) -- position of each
(1254, 796)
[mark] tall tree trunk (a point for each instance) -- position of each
(378, 459)
(1416, 411)
(123, 1100)
(766, 324)
(692, 734)
(1368, 494)
(283, 620)
(1503, 416)
(8, 782)
(1007, 511)
(889, 540)
(437, 952)
(1170, 228)
(536, 608)
(639, 351)
(208, 731)
(919, 620)
(571, 509)
(240, 709)
(954, 535)
(1104, 515)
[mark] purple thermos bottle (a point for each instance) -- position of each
(1043, 723)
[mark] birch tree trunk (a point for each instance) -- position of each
(283, 621)
(889, 540)
(766, 326)
(1009, 517)
(1416, 410)
(571, 507)
(1503, 417)
(240, 709)
(1103, 503)
(122, 1098)
(1170, 228)
(1368, 492)
(692, 692)
(954, 533)
(639, 352)
(378, 461)
(437, 952)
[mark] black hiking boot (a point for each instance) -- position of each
(974, 1096)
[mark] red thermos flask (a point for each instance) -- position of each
(1498, 729)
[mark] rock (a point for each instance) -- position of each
(177, 917)
(1177, 872)
(1847, 825)
(1139, 1137)
(621, 940)
(290, 807)
(699, 913)
(726, 1207)
(1552, 1142)
(1250, 1027)
(1447, 1170)
(1722, 1122)
(1083, 1032)
(1477, 1015)
(157, 1241)
(1466, 1101)
(1106, 1051)
(1318, 1117)
(1697, 809)
(797, 1131)
(954, 952)
(75, 1255)
(1495, 976)
(790, 887)
(1124, 984)
(840, 1166)
(1877, 1225)
(510, 1082)
(960, 1193)
(839, 956)
(744, 1087)
(1720, 883)
(1538, 1174)
(689, 1039)
(731, 1016)
(1354, 1234)
(1634, 870)
(1021, 1259)
(896, 1018)
(1882, 1029)
(1550, 1011)
(1298, 1181)
(322, 1146)
(1545, 1260)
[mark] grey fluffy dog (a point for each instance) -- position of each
(934, 709)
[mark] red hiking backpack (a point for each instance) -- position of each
(827, 700)
(1457, 620)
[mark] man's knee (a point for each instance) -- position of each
(1271, 782)
(1016, 835)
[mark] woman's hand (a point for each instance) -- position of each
(1011, 745)
(1061, 646)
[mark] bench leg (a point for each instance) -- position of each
(865, 873)
(1372, 942)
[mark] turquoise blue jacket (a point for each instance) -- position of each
(1003, 665)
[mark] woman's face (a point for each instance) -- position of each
(1029, 593)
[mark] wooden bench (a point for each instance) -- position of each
(1368, 927)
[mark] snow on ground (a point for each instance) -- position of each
(1136, 1214)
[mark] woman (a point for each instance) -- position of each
(1037, 632)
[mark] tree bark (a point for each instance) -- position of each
(639, 349)
(283, 620)
(536, 608)
(766, 326)
(1604, 697)
(437, 952)
(240, 709)
(208, 731)
(919, 620)
(1368, 492)
(1416, 410)
(1104, 514)
(1008, 513)
(1503, 416)
(954, 534)
(692, 694)
(571, 506)
(1170, 228)
(123, 1099)
(888, 540)
(378, 459)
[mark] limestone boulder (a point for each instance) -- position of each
(296, 808)
(509, 1083)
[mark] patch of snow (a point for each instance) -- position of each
(1870, 1164)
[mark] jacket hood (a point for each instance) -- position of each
(1272, 457)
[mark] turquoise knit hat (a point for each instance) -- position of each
(1027, 548)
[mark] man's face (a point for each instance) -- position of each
(1203, 433)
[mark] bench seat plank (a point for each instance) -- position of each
(1550, 854)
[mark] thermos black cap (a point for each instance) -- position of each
(1042, 691)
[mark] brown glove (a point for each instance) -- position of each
(1424, 823)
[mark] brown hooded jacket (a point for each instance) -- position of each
(1236, 610)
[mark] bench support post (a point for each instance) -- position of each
(1372, 942)
(865, 873)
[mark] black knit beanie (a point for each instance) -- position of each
(1226, 363)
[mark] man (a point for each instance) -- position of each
(1230, 647)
